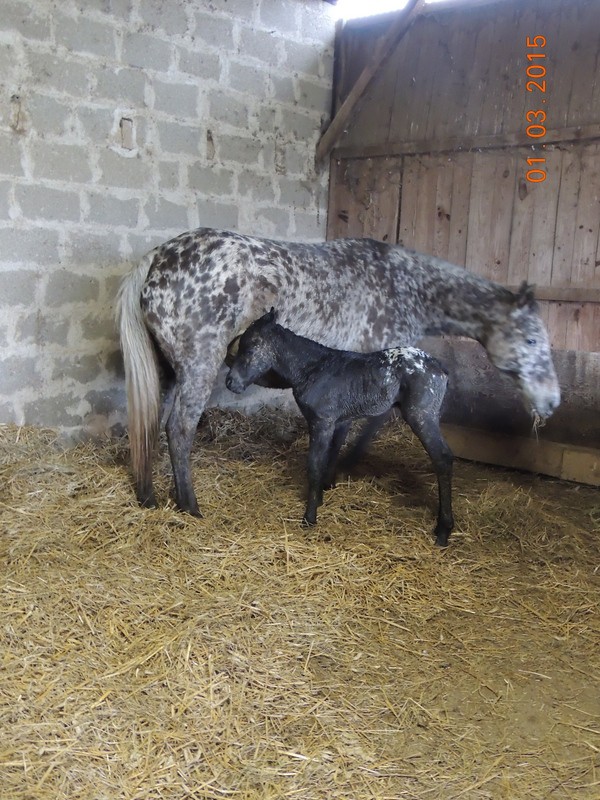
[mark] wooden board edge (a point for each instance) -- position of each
(457, 144)
(564, 461)
(381, 52)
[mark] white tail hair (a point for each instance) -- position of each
(141, 378)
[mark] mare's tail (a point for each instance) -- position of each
(141, 380)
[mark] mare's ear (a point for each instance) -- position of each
(525, 296)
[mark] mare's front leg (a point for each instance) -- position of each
(337, 442)
(320, 433)
(421, 410)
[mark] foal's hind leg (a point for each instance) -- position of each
(337, 442)
(421, 410)
(370, 430)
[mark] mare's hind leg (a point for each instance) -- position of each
(193, 387)
(144, 489)
(168, 400)
(421, 409)
(360, 446)
(337, 442)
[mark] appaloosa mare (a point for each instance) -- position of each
(191, 296)
(334, 387)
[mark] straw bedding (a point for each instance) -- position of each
(145, 654)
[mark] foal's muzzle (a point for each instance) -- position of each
(234, 383)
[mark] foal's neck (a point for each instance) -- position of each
(294, 354)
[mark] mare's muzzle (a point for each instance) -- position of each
(544, 400)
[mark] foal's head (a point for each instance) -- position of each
(255, 355)
(518, 345)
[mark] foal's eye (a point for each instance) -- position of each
(531, 342)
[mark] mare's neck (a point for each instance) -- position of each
(294, 354)
(466, 304)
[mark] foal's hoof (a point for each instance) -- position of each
(308, 523)
(441, 540)
(329, 485)
(348, 463)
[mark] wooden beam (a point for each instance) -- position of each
(383, 49)
(466, 143)
(568, 462)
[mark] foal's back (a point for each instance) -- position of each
(345, 385)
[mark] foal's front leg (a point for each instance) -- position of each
(320, 433)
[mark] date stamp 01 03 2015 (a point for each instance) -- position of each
(536, 84)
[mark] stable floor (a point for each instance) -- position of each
(146, 654)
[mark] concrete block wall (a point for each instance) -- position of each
(122, 124)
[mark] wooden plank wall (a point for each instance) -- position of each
(460, 74)
(366, 199)
(476, 209)
(435, 159)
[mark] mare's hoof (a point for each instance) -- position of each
(441, 540)
(148, 502)
(188, 505)
(329, 485)
(194, 511)
(308, 523)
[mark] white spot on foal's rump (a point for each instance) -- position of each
(411, 358)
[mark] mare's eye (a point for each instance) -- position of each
(531, 342)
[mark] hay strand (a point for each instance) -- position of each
(145, 654)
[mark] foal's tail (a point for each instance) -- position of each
(141, 380)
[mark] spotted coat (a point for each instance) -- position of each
(191, 296)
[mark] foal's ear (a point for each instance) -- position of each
(272, 315)
(525, 296)
(232, 350)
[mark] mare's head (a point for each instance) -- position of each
(517, 343)
(255, 354)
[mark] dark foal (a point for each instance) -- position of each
(334, 387)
